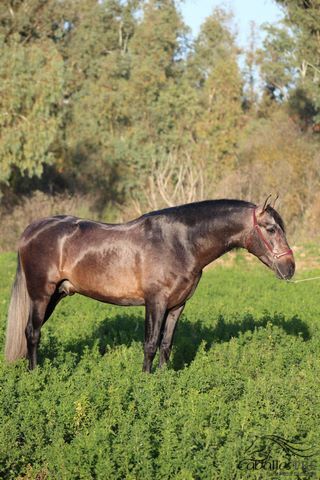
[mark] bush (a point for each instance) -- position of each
(245, 365)
(40, 205)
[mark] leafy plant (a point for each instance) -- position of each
(245, 364)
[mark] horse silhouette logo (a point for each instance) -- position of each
(262, 452)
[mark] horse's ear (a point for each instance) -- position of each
(267, 202)
(273, 204)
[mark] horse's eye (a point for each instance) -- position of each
(271, 230)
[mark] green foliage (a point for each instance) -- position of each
(259, 158)
(114, 100)
(245, 364)
(157, 105)
(213, 68)
(31, 91)
(102, 90)
(302, 17)
(277, 60)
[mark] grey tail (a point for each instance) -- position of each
(18, 314)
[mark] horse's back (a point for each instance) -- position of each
(42, 226)
(55, 246)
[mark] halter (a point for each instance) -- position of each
(265, 241)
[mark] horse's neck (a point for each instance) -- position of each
(220, 235)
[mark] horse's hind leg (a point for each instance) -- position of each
(36, 319)
(54, 300)
(62, 290)
(168, 332)
(39, 313)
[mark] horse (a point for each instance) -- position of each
(155, 260)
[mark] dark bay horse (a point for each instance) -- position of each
(155, 260)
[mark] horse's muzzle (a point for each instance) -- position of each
(285, 267)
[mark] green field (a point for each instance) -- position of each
(245, 365)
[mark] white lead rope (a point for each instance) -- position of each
(295, 281)
(304, 280)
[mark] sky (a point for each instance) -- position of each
(245, 11)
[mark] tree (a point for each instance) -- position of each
(216, 76)
(296, 59)
(154, 95)
(191, 110)
(155, 56)
(249, 71)
(97, 72)
(277, 60)
(33, 86)
(28, 21)
(31, 78)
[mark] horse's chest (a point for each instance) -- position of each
(183, 289)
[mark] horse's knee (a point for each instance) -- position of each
(150, 348)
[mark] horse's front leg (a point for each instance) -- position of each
(168, 332)
(155, 312)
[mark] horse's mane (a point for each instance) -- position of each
(207, 208)
(276, 217)
(219, 204)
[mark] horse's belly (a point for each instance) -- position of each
(124, 300)
(120, 288)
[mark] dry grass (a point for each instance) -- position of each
(39, 205)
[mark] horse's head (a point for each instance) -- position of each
(266, 240)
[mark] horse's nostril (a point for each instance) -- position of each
(291, 270)
(285, 270)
